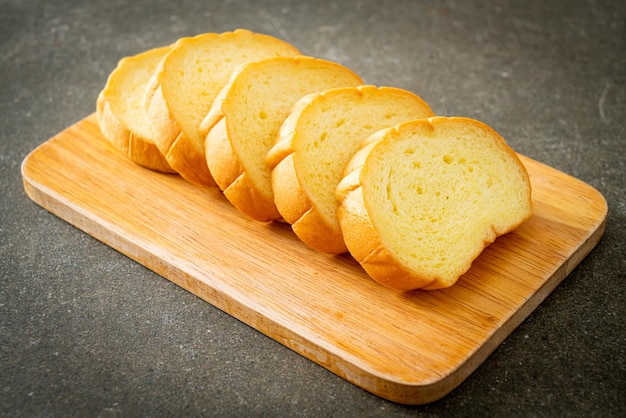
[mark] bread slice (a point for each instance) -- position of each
(121, 114)
(317, 141)
(185, 85)
(244, 122)
(421, 200)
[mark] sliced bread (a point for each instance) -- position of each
(121, 114)
(185, 85)
(316, 142)
(244, 121)
(421, 200)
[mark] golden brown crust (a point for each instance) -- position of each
(367, 249)
(293, 203)
(112, 128)
(219, 153)
(316, 233)
(182, 154)
(297, 209)
(291, 199)
(245, 197)
(283, 146)
(135, 147)
(148, 155)
(216, 113)
(359, 233)
(138, 148)
(231, 178)
(165, 127)
(190, 163)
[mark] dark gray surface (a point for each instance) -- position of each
(85, 331)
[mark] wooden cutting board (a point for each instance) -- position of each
(408, 347)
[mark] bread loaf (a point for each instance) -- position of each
(243, 124)
(121, 114)
(421, 200)
(185, 85)
(316, 142)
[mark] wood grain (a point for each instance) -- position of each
(407, 347)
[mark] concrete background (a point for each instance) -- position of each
(85, 331)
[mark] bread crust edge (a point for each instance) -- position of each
(298, 210)
(367, 249)
(230, 177)
(140, 150)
